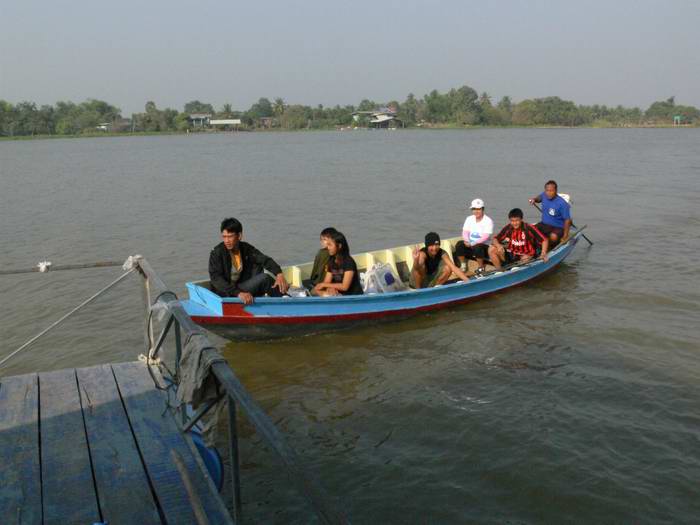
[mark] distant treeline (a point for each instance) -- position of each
(459, 107)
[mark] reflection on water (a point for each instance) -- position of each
(571, 399)
(279, 363)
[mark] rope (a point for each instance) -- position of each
(56, 323)
(45, 266)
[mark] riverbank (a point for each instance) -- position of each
(92, 135)
(431, 127)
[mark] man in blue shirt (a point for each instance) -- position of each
(556, 214)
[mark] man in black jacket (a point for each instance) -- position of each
(238, 269)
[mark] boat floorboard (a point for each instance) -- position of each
(95, 445)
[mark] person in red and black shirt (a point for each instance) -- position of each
(521, 242)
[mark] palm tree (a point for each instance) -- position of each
(485, 99)
(278, 106)
(226, 110)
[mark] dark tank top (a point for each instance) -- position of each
(432, 263)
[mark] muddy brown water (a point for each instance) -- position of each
(572, 399)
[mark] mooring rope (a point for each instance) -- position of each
(45, 266)
(56, 323)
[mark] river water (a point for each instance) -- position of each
(573, 399)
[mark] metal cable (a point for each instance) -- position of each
(56, 323)
(49, 267)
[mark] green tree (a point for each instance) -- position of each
(181, 121)
(104, 111)
(65, 118)
(6, 118)
(665, 110)
(169, 119)
(367, 105)
(408, 112)
(337, 116)
(524, 113)
(263, 107)
(278, 107)
(294, 117)
(505, 104)
(490, 115)
(464, 106)
(152, 119)
(195, 106)
(437, 106)
(505, 109)
(87, 121)
(318, 116)
(45, 120)
(226, 111)
(549, 111)
(25, 120)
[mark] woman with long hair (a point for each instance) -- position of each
(341, 277)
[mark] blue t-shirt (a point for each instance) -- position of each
(555, 211)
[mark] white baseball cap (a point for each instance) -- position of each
(477, 203)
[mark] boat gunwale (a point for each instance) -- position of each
(347, 318)
(287, 300)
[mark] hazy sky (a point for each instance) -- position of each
(330, 52)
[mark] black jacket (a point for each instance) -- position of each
(254, 262)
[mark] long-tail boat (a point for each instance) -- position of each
(273, 317)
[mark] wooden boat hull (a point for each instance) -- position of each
(269, 318)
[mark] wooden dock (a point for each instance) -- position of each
(101, 445)
(98, 444)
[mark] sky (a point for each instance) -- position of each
(332, 52)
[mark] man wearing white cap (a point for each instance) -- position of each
(476, 232)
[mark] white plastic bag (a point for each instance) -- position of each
(368, 283)
(381, 279)
(297, 291)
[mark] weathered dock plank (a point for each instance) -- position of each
(20, 482)
(67, 484)
(122, 485)
(157, 435)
